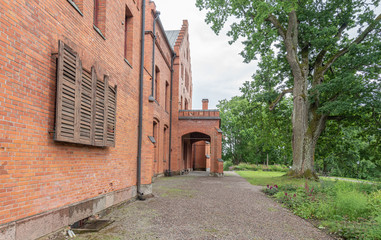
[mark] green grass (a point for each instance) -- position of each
(346, 179)
(348, 209)
(263, 178)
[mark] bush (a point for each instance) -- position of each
(355, 230)
(351, 205)
(227, 165)
(245, 167)
(375, 204)
(278, 168)
(254, 167)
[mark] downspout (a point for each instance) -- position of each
(140, 126)
(152, 98)
(170, 117)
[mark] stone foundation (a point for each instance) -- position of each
(42, 224)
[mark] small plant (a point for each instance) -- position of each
(271, 190)
(289, 199)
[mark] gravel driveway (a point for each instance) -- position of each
(199, 207)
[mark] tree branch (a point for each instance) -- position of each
(275, 22)
(277, 100)
(336, 118)
(358, 40)
(305, 60)
(320, 56)
(292, 30)
(341, 30)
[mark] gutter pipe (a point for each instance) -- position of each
(170, 116)
(169, 173)
(152, 97)
(140, 125)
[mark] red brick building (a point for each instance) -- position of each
(89, 114)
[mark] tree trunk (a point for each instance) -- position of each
(299, 125)
(305, 144)
(307, 125)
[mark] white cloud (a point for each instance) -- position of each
(218, 69)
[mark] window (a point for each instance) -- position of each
(137, 4)
(157, 82)
(165, 144)
(181, 103)
(128, 36)
(85, 105)
(156, 137)
(186, 104)
(100, 17)
(187, 80)
(182, 71)
(77, 4)
(167, 96)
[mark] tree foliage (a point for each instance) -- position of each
(326, 53)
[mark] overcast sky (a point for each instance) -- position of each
(218, 70)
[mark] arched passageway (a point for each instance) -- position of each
(195, 151)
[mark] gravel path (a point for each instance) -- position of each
(200, 207)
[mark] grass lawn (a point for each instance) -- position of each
(263, 178)
(347, 179)
(351, 210)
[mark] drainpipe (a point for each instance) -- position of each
(152, 98)
(140, 126)
(170, 117)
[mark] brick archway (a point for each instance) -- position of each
(195, 151)
(201, 129)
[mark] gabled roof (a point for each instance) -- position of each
(172, 37)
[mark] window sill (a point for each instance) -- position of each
(129, 64)
(75, 6)
(99, 32)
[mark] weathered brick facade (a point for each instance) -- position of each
(45, 184)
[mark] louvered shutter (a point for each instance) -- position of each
(111, 116)
(99, 112)
(68, 81)
(85, 106)
(86, 112)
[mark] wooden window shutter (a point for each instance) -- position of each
(68, 94)
(86, 112)
(85, 106)
(111, 116)
(99, 112)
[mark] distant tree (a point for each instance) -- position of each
(252, 133)
(331, 71)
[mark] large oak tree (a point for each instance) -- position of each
(326, 45)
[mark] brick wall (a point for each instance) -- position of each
(157, 109)
(36, 173)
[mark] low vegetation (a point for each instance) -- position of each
(351, 210)
(228, 166)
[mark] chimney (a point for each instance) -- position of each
(205, 104)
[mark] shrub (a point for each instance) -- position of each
(254, 167)
(246, 167)
(352, 205)
(355, 230)
(375, 204)
(278, 168)
(227, 165)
